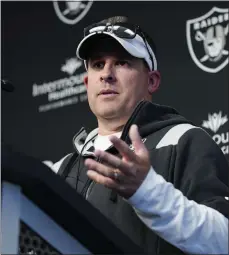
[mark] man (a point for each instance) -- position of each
(160, 179)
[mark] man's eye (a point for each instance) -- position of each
(122, 62)
(98, 64)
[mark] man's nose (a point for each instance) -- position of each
(108, 75)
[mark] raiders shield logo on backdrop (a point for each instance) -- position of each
(207, 40)
(71, 12)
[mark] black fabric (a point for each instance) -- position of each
(107, 201)
(195, 165)
(67, 164)
(202, 171)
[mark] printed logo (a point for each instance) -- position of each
(65, 91)
(215, 123)
(71, 65)
(71, 12)
(132, 147)
(207, 40)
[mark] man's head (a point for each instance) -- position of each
(121, 67)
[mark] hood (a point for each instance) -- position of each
(149, 118)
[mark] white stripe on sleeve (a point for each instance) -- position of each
(192, 227)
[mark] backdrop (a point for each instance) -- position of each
(49, 104)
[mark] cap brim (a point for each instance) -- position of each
(85, 45)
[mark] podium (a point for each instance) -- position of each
(41, 214)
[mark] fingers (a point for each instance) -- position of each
(125, 167)
(106, 181)
(104, 174)
(136, 140)
(123, 148)
(98, 178)
(98, 167)
(123, 175)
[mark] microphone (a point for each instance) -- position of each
(7, 86)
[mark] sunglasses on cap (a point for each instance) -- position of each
(123, 31)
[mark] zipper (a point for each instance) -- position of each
(130, 121)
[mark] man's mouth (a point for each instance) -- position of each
(108, 92)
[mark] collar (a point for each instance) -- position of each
(84, 143)
(144, 115)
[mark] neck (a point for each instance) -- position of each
(109, 126)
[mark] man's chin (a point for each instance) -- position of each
(108, 112)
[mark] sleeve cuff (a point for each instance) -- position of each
(139, 198)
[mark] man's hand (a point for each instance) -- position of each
(124, 174)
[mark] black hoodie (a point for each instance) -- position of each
(183, 163)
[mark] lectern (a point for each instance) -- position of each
(41, 214)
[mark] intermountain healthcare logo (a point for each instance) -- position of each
(207, 40)
(214, 123)
(71, 12)
(71, 65)
(65, 91)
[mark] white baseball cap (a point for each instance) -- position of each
(132, 42)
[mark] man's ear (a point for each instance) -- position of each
(85, 80)
(154, 81)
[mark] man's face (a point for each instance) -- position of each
(116, 81)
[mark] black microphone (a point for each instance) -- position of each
(7, 86)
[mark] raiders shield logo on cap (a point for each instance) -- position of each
(207, 40)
